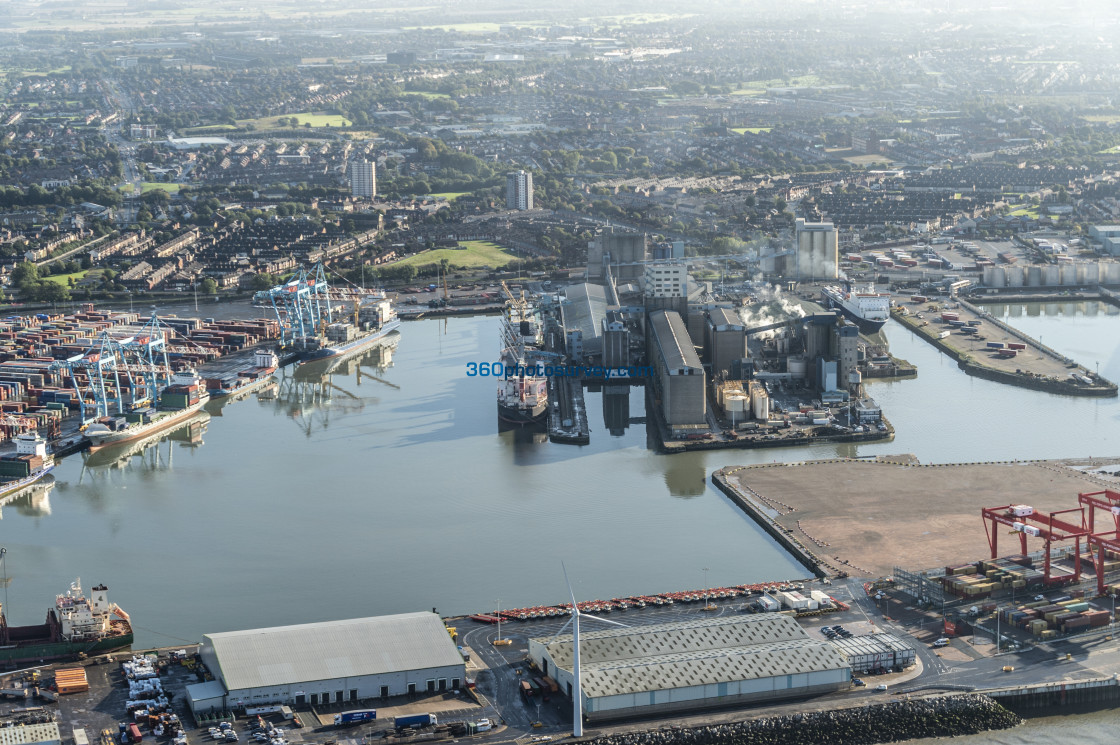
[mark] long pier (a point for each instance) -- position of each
(979, 342)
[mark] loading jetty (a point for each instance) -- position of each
(988, 348)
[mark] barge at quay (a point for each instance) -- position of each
(76, 625)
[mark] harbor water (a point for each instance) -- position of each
(384, 486)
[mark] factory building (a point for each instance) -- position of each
(329, 662)
(665, 280)
(678, 383)
(519, 191)
(616, 340)
(583, 314)
(363, 179)
(818, 250)
(1108, 236)
(725, 341)
(866, 654)
(847, 351)
(621, 252)
(692, 665)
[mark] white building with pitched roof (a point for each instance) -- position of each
(692, 665)
(330, 662)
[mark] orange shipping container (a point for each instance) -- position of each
(71, 680)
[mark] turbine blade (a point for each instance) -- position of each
(575, 608)
(605, 620)
(562, 628)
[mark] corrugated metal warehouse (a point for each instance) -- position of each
(329, 662)
(690, 665)
(875, 652)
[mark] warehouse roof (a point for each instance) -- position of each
(692, 653)
(725, 319)
(584, 310)
(673, 340)
(870, 644)
(45, 733)
(332, 649)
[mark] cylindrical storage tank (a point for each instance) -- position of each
(761, 407)
(1112, 273)
(989, 276)
(1092, 273)
(1014, 276)
(1079, 270)
(855, 378)
(999, 277)
(735, 403)
(797, 366)
(1034, 276)
(1051, 276)
(1069, 274)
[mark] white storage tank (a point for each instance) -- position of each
(1080, 273)
(1092, 273)
(735, 403)
(1014, 276)
(760, 406)
(1034, 276)
(797, 367)
(999, 277)
(1112, 273)
(1069, 275)
(1051, 276)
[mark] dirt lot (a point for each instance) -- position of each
(879, 515)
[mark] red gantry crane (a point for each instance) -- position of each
(1107, 540)
(1022, 519)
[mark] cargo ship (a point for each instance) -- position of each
(179, 401)
(266, 363)
(523, 393)
(186, 432)
(372, 322)
(76, 626)
(30, 464)
(522, 396)
(867, 309)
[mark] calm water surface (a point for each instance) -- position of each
(385, 487)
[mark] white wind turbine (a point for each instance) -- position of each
(577, 697)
